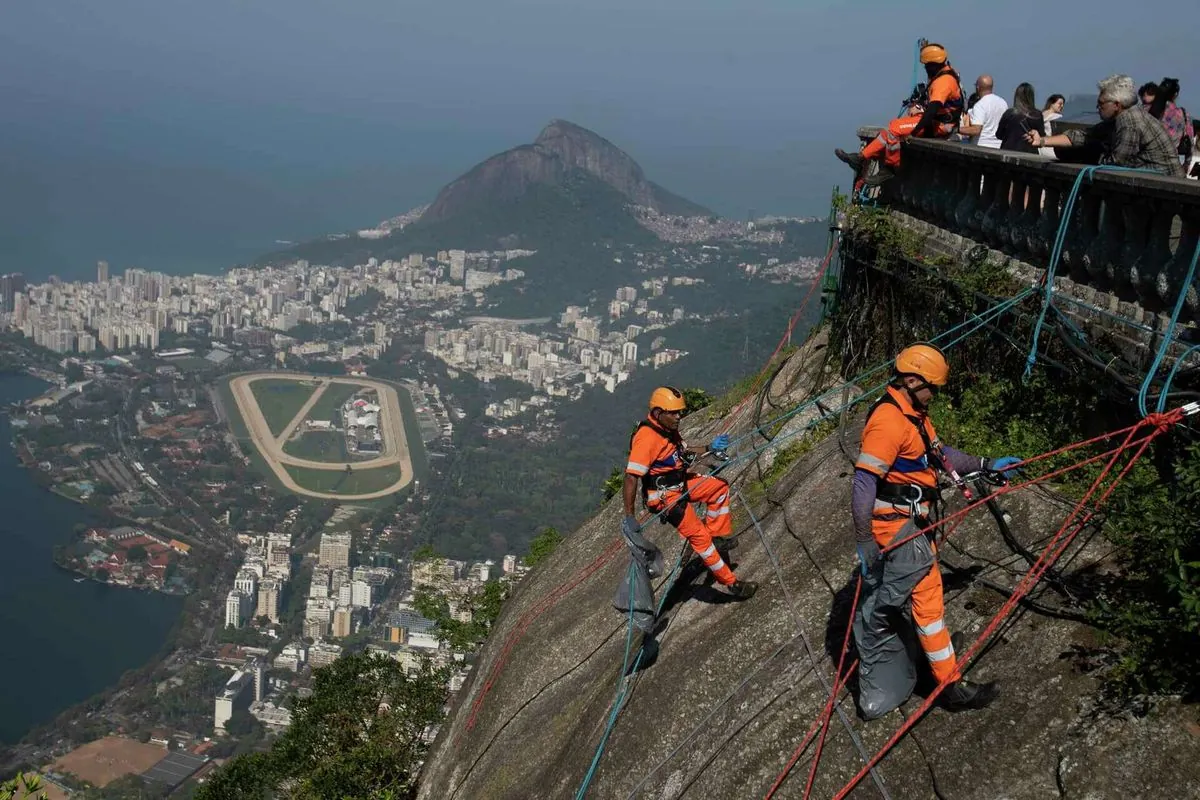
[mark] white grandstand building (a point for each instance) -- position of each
(362, 425)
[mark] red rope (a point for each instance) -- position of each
(838, 684)
(1058, 544)
(758, 379)
(827, 714)
(958, 515)
(529, 617)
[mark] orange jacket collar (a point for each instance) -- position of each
(902, 399)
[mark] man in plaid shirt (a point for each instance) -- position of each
(1127, 136)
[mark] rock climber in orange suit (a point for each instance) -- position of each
(895, 489)
(659, 461)
(936, 117)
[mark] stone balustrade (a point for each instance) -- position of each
(1131, 234)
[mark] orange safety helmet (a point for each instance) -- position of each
(668, 398)
(925, 361)
(933, 54)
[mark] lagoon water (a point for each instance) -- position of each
(63, 641)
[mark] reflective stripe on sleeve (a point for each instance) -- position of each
(871, 464)
(635, 468)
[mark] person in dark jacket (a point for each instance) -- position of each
(1021, 118)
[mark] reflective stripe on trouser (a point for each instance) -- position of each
(714, 493)
(910, 588)
(886, 146)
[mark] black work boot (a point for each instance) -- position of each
(962, 695)
(855, 160)
(743, 590)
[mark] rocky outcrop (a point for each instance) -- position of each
(560, 149)
(734, 686)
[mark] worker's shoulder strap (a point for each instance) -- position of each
(950, 71)
(671, 436)
(917, 422)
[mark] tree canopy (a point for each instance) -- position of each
(360, 734)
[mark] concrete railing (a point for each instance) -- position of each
(1131, 234)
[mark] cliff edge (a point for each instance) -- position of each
(735, 686)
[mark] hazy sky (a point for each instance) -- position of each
(241, 121)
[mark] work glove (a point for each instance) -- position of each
(870, 561)
(720, 443)
(630, 528)
(1004, 465)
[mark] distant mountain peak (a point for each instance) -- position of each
(561, 149)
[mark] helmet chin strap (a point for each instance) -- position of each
(912, 392)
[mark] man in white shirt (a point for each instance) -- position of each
(985, 115)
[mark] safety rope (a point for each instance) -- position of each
(1162, 398)
(627, 673)
(1168, 337)
(702, 724)
(1060, 237)
(528, 619)
(842, 677)
(732, 417)
(972, 325)
(808, 648)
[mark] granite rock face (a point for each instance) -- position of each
(736, 685)
(560, 149)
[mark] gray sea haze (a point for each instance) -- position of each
(64, 641)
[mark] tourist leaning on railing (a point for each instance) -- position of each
(1126, 134)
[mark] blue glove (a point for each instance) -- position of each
(870, 561)
(1003, 464)
(630, 527)
(720, 443)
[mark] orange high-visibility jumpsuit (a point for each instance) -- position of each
(943, 89)
(893, 450)
(658, 461)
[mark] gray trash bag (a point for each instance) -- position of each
(887, 672)
(635, 590)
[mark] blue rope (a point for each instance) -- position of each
(1106, 313)
(1060, 238)
(1167, 338)
(622, 680)
(1162, 398)
(975, 323)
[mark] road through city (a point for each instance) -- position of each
(395, 444)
